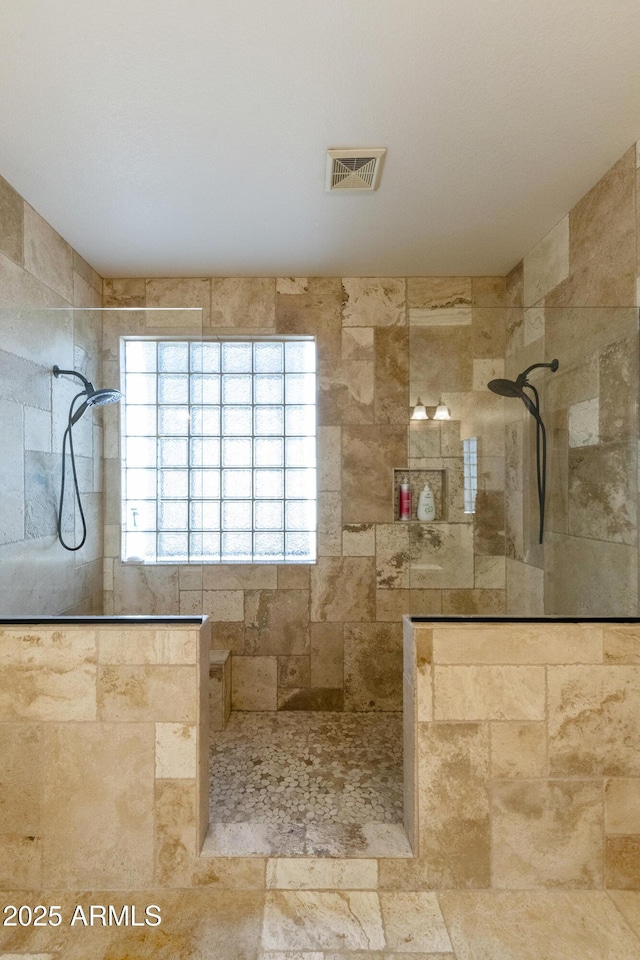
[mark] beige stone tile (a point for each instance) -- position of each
(606, 475)
(294, 673)
(146, 590)
(622, 862)
(369, 455)
(584, 423)
(314, 312)
(147, 692)
(253, 840)
(473, 602)
(343, 589)
(568, 330)
(391, 375)
(243, 302)
(11, 217)
(485, 370)
(594, 721)
(293, 576)
(489, 573)
(329, 458)
(122, 645)
(488, 291)
(359, 540)
(357, 343)
(373, 302)
(424, 438)
(319, 874)
(392, 556)
(330, 525)
(600, 579)
(489, 331)
(313, 699)
(79, 795)
(277, 622)
(628, 903)
(489, 693)
(518, 643)
(547, 264)
(441, 555)
(533, 328)
(308, 920)
(22, 752)
(621, 644)
(46, 255)
(618, 377)
(20, 862)
(125, 292)
(423, 603)
(525, 589)
(372, 666)
(47, 674)
(439, 293)
(201, 923)
(345, 392)
(224, 605)
(179, 293)
(175, 832)
(254, 683)
(622, 806)
(327, 652)
(518, 750)
(532, 924)
(238, 576)
(453, 767)
(175, 750)
(413, 923)
(546, 834)
(236, 873)
(292, 285)
(440, 362)
(391, 605)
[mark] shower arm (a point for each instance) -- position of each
(88, 386)
(522, 378)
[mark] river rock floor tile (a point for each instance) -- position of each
(338, 773)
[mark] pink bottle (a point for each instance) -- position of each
(404, 507)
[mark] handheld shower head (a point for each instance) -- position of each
(511, 388)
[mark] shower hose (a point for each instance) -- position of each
(68, 435)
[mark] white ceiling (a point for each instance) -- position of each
(188, 138)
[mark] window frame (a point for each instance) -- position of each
(298, 543)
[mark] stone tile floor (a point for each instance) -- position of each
(341, 925)
(307, 783)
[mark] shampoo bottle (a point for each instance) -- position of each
(404, 505)
(426, 504)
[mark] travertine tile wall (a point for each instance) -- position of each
(104, 744)
(41, 280)
(329, 636)
(572, 298)
(524, 743)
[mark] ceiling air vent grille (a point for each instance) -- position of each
(354, 169)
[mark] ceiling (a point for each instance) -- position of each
(164, 138)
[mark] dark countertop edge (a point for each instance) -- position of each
(178, 621)
(507, 619)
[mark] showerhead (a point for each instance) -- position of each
(94, 398)
(505, 388)
(100, 397)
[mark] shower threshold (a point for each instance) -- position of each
(296, 784)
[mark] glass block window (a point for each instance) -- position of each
(470, 464)
(219, 451)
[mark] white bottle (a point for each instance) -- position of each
(426, 504)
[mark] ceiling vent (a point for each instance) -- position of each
(355, 169)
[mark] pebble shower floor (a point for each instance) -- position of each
(285, 768)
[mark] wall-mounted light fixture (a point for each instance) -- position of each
(441, 412)
(419, 411)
